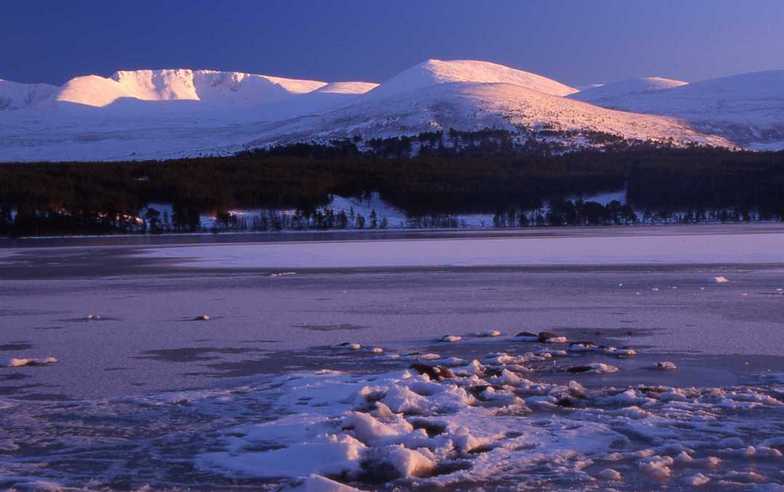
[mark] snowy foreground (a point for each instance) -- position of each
(487, 423)
(545, 414)
(160, 114)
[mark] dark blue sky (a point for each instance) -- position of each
(575, 41)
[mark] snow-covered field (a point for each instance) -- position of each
(158, 114)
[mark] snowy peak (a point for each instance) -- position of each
(435, 72)
(91, 90)
(14, 95)
(157, 85)
(208, 86)
(625, 88)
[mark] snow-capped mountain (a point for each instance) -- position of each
(14, 96)
(154, 114)
(470, 96)
(471, 106)
(747, 109)
(437, 72)
(209, 87)
(157, 114)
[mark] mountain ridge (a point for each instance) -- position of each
(158, 114)
(179, 84)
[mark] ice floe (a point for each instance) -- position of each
(489, 334)
(526, 416)
(31, 362)
(282, 274)
(349, 346)
(541, 337)
(488, 422)
(596, 367)
(611, 475)
(318, 483)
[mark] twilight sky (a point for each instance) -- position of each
(574, 41)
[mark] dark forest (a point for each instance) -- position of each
(701, 184)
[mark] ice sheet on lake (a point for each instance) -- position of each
(464, 252)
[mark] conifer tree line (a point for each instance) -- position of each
(432, 180)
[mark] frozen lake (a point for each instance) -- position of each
(278, 306)
(680, 246)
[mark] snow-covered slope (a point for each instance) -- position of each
(603, 92)
(156, 114)
(91, 90)
(746, 108)
(347, 88)
(436, 72)
(14, 96)
(477, 106)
